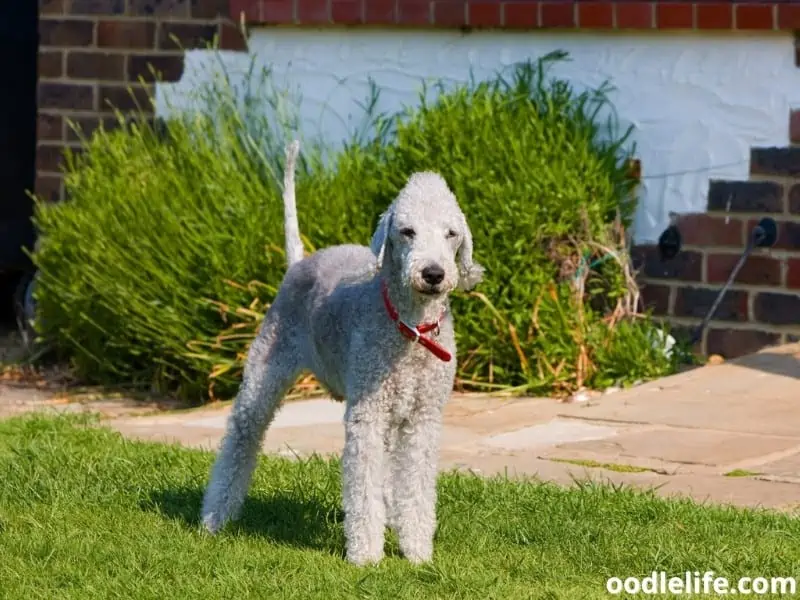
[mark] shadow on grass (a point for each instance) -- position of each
(283, 519)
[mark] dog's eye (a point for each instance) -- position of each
(407, 232)
(451, 233)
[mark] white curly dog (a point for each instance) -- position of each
(373, 325)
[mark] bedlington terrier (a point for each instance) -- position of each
(373, 325)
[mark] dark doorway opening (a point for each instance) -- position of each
(19, 45)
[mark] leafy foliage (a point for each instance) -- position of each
(160, 267)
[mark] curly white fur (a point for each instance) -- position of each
(329, 318)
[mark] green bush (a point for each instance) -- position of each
(150, 272)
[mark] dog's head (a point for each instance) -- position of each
(423, 238)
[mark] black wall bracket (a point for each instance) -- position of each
(764, 235)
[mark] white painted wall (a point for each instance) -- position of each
(697, 102)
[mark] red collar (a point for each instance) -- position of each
(415, 333)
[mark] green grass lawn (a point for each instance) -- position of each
(86, 514)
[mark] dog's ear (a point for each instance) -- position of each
(470, 273)
(381, 235)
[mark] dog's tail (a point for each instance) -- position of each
(291, 228)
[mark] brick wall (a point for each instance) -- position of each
(762, 307)
(746, 15)
(93, 51)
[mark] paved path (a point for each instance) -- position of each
(685, 434)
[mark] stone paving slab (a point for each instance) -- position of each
(786, 468)
(17, 400)
(686, 446)
(560, 432)
(759, 393)
(754, 492)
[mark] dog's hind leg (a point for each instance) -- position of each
(272, 366)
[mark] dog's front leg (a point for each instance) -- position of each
(415, 467)
(363, 478)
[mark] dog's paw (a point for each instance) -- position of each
(417, 552)
(363, 559)
(212, 523)
(419, 558)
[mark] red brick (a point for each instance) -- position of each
(155, 68)
(747, 196)
(49, 127)
(557, 14)
(733, 343)
(209, 9)
(754, 16)
(49, 157)
(96, 65)
(160, 8)
(68, 96)
(125, 98)
(313, 12)
(714, 16)
(347, 12)
(793, 273)
(96, 7)
(524, 15)
(686, 266)
(277, 11)
(185, 36)
(62, 32)
(757, 270)
(788, 236)
(251, 10)
(48, 187)
(126, 34)
(51, 63)
(596, 15)
(231, 37)
(777, 309)
(656, 298)
(788, 16)
(413, 12)
(450, 13)
(794, 199)
(51, 7)
(380, 12)
(484, 14)
(84, 127)
(794, 126)
(634, 15)
(674, 15)
(703, 230)
(781, 161)
(696, 302)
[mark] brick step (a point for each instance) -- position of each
(775, 162)
(733, 343)
(794, 125)
(761, 318)
(750, 196)
(762, 307)
(729, 232)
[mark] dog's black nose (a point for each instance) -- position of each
(433, 274)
